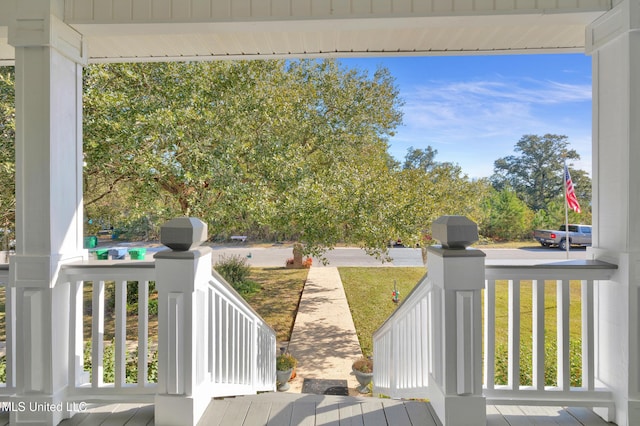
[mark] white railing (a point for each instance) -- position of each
(403, 346)
(7, 387)
(240, 349)
(95, 278)
(409, 346)
(242, 352)
(539, 277)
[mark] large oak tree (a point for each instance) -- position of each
(299, 148)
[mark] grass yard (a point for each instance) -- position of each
(369, 294)
(278, 297)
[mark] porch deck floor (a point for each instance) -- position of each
(274, 410)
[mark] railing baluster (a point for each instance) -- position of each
(226, 332)
(424, 344)
(76, 354)
(564, 377)
(234, 349)
(143, 331)
(588, 334)
(402, 367)
(417, 347)
(514, 335)
(430, 334)
(97, 334)
(219, 339)
(489, 334)
(211, 333)
(120, 342)
(437, 327)
(538, 334)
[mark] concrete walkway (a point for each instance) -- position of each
(324, 338)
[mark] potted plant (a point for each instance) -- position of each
(285, 363)
(363, 370)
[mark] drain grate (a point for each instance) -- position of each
(325, 387)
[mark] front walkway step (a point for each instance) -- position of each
(324, 338)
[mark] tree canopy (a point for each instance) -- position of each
(298, 148)
(536, 173)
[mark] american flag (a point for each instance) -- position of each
(572, 200)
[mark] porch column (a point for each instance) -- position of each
(49, 57)
(457, 274)
(613, 41)
(183, 274)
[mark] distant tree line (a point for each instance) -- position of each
(282, 150)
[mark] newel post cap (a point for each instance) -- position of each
(183, 233)
(454, 232)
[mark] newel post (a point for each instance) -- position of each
(183, 274)
(457, 273)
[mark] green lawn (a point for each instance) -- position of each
(278, 297)
(369, 294)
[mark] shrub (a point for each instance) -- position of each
(285, 362)
(236, 270)
(131, 367)
(363, 365)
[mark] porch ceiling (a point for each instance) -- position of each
(439, 35)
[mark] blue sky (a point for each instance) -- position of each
(474, 109)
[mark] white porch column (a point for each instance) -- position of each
(457, 274)
(182, 281)
(613, 41)
(48, 65)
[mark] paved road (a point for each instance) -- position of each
(277, 256)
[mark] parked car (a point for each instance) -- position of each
(579, 235)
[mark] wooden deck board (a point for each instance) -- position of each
(122, 414)
(494, 417)
(328, 414)
(142, 417)
(514, 415)
(258, 414)
(586, 416)
(419, 413)
(373, 414)
(235, 413)
(311, 410)
(214, 412)
(351, 415)
(396, 410)
(304, 414)
(280, 414)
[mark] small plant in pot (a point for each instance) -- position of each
(285, 363)
(363, 370)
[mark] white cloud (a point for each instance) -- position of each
(474, 123)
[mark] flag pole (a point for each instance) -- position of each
(566, 210)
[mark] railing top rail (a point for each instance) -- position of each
(574, 269)
(109, 270)
(89, 264)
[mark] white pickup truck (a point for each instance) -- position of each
(579, 235)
